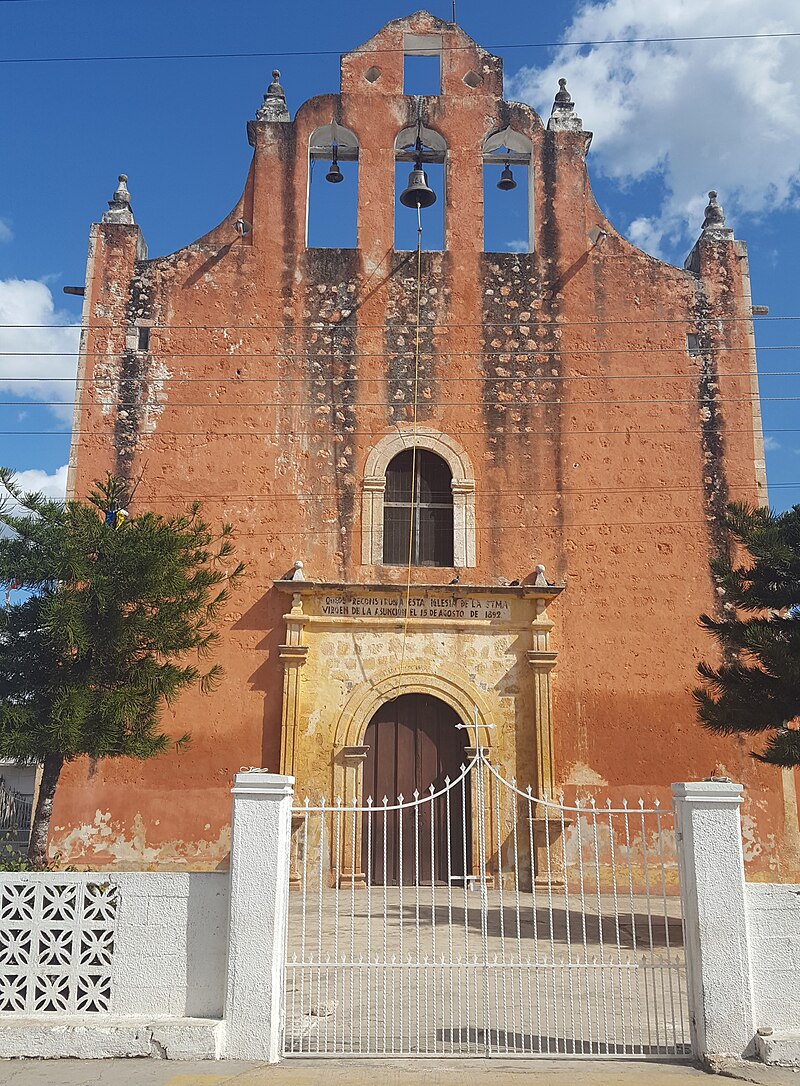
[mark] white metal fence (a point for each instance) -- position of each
(479, 919)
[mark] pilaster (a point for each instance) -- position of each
(293, 655)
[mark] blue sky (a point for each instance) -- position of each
(671, 121)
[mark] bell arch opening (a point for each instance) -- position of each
(332, 201)
(432, 155)
(507, 193)
(414, 742)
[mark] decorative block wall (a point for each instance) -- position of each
(131, 943)
(57, 946)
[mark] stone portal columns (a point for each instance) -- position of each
(546, 836)
(293, 654)
(352, 759)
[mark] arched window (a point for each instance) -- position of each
(418, 507)
(332, 209)
(446, 483)
(434, 161)
(507, 193)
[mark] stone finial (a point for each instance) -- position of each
(714, 221)
(274, 108)
(540, 580)
(119, 207)
(562, 116)
(298, 574)
(563, 99)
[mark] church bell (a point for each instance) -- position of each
(507, 182)
(334, 174)
(418, 193)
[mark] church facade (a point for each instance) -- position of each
(470, 487)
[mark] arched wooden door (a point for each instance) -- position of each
(414, 743)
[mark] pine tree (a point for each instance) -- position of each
(113, 613)
(757, 687)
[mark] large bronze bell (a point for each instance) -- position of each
(418, 192)
(507, 182)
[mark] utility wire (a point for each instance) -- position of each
(444, 378)
(414, 504)
(339, 355)
(523, 495)
(280, 54)
(541, 528)
(511, 431)
(320, 324)
(510, 404)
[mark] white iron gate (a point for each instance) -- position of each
(477, 919)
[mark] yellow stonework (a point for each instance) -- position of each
(349, 648)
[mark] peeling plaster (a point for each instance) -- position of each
(580, 773)
(106, 841)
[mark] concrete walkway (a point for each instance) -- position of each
(299, 1072)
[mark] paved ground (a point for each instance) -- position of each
(299, 1072)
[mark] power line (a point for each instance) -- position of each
(339, 353)
(280, 54)
(539, 528)
(438, 378)
(511, 431)
(321, 323)
(511, 404)
(526, 496)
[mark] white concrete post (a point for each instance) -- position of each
(713, 894)
(260, 846)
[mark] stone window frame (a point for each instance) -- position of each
(373, 488)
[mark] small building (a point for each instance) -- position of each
(471, 487)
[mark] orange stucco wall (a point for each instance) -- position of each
(273, 369)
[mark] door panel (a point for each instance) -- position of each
(413, 744)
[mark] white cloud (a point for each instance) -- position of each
(38, 482)
(6, 233)
(52, 486)
(37, 362)
(770, 444)
(698, 115)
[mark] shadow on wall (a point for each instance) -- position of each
(266, 615)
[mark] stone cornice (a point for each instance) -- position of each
(457, 591)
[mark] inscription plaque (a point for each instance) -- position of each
(428, 606)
